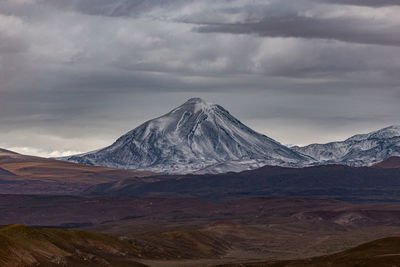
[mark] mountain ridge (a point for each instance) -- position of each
(358, 150)
(346, 183)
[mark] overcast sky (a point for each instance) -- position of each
(77, 74)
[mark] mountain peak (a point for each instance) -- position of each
(192, 137)
(196, 100)
(195, 105)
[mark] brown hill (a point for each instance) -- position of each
(24, 246)
(42, 175)
(392, 162)
(181, 244)
(5, 152)
(382, 252)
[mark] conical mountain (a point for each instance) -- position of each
(193, 137)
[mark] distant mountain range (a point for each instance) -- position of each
(199, 137)
(359, 150)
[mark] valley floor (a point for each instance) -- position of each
(190, 232)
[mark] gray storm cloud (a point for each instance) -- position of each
(342, 29)
(371, 3)
(75, 75)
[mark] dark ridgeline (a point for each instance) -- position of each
(354, 184)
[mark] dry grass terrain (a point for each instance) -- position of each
(383, 252)
(24, 246)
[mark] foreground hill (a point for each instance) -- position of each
(193, 137)
(28, 174)
(352, 184)
(24, 246)
(171, 232)
(382, 252)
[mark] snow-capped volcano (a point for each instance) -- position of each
(193, 137)
(359, 150)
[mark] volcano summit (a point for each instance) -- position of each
(194, 137)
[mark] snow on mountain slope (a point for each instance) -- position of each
(192, 137)
(359, 150)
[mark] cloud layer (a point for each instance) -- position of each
(74, 75)
(344, 30)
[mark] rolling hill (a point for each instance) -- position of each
(28, 174)
(383, 252)
(24, 246)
